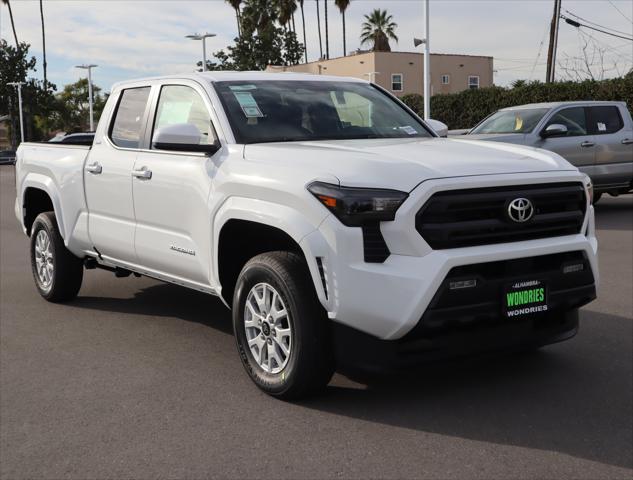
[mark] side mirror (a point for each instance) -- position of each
(554, 130)
(182, 137)
(440, 128)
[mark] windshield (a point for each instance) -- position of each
(281, 111)
(521, 120)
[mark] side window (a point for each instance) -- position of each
(573, 118)
(604, 120)
(181, 104)
(128, 121)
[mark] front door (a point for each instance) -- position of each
(171, 193)
(108, 180)
(578, 146)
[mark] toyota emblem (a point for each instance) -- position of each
(520, 210)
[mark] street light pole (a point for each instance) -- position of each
(18, 85)
(427, 64)
(89, 68)
(202, 37)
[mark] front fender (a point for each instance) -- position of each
(282, 217)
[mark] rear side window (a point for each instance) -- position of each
(128, 120)
(604, 120)
(573, 118)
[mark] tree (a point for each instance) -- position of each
(15, 35)
(262, 42)
(319, 29)
(327, 33)
(377, 29)
(285, 11)
(236, 6)
(44, 64)
(303, 19)
(342, 6)
(73, 107)
(37, 100)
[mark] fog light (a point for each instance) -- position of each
(576, 267)
(462, 284)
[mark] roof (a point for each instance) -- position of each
(561, 104)
(220, 76)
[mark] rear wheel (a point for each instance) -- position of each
(281, 330)
(57, 272)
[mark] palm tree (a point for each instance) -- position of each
(285, 11)
(327, 36)
(378, 29)
(342, 6)
(236, 6)
(303, 19)
(15, 35)
(319, 28)
(43, 45)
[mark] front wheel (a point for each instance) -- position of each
(57, 272)
(281, 330)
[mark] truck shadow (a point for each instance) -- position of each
(165, 300)
(615, 213)
(574, 398)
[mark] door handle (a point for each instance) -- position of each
(143, 173)
(587, 144)
(94, 168)
(627, 141)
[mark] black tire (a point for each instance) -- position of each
(596, 197)
(67, 272)
(310, 364)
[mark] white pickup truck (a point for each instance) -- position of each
(333, 221)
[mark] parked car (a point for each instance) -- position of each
(333, 221)
(7, 157)
(596, 137)
(75, 138)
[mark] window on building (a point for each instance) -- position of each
(446, 79)
(396, 82)
(473, 81)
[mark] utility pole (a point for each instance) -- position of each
(90, 100)
(427, 63)
(18, 85)
(553, 43)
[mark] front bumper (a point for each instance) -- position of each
(387, 300)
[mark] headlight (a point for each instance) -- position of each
(358, 206)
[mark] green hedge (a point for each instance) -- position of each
(467, 108)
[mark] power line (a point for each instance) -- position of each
(540, 50)
(595, 24)
(576, 24)
(614, 6)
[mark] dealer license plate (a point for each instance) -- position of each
(524, 297)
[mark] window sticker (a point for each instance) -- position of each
(248, 104)
(602, 127)
(409, 129)
(237, 88)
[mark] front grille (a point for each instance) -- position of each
(478, 216)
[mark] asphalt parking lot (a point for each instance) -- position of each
(140, 379)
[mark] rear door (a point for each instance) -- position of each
(578, 146)
(614, 147)
(173, 232)
(108, 179)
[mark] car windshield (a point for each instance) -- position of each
(282, 111)
(520, 120)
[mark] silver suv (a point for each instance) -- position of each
(596, 137)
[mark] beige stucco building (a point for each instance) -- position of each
(401, 72)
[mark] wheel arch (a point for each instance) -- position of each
(247, 227)
(40, 195)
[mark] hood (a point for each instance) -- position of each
(403, 163)
(517, 138)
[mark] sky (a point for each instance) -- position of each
(131, 39)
